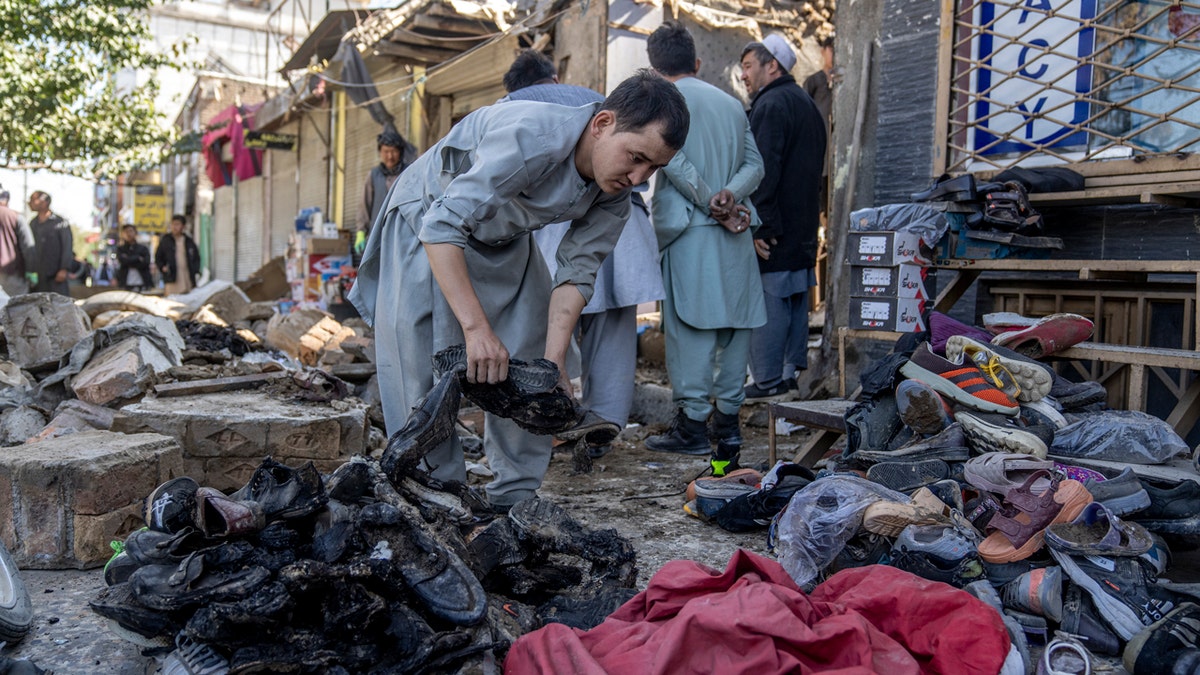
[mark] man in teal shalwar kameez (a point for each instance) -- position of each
(710, 274)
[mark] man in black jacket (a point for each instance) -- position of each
(177, 258)
(790, 134)
(133, 262)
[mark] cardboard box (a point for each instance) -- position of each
(904, 315)
(887, 249)
(325, 266)
(270, 282)
(339, 245)
(901, 281)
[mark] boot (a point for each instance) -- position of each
(724, 431)
(685, 436)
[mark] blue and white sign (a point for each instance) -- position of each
(1031, 84)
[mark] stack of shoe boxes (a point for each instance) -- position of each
(889, 281)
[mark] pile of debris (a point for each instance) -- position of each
(378, 567)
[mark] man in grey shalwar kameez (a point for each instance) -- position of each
(628, 277)
(451, 259)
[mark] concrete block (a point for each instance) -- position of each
(19, 424)
(652, 404)
(42, 327)
(72, 416)
(121, 371)
(235, 428)
(92, 480)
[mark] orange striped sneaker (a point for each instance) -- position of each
(960, 380)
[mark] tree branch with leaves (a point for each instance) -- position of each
(77, 86)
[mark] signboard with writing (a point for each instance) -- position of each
(151, 212)
(1031, 86)
(266, 140)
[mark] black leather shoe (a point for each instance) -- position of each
(947, 189)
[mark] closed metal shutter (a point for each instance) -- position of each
(249, 226)
(224, 245)
(314, 161)
(362, 155)
(285, 184)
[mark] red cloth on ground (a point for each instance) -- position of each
(752, 618)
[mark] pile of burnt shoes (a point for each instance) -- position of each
(365, 570)
(999, 209)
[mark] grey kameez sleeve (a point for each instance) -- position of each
(589, 240)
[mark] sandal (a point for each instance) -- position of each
(1009, 209)
(1096, 531)
(1001, 472)
(1020, 527)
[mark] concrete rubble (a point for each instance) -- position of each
(121, 380)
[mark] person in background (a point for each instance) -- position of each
(16, 247)
(177, 258)
(391, 162)
(704, 228)
(608, 325)
(790, 134)
(53, 243)
(133, 261)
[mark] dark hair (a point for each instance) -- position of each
(826, 41)
(5, 195)
(129, 226)
(390, 138)
(180, 217)
(671, 49)
(529, 68)
(646, 98)
(761, 53)
(39, 193)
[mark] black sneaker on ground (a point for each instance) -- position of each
(685, 436)
(755, 510)
(1174, 509)
(1170, 645)
(725, 431)
(755, 392)
(1079, 618)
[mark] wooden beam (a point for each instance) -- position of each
(429, 55)
(452, 25)
(216, 384)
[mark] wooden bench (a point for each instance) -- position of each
(1172, 180)
(1138, 359)
(828, 418)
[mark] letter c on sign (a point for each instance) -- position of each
(1024, 58)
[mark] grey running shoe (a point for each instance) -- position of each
(1122, 495)
(986, 436)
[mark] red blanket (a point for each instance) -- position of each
(753, 619)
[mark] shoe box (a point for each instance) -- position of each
(900, 281)
(887, 249)
(903, 315)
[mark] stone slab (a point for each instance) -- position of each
(652, 404)
(233, 428)
(124, 370)
(71, 495)
(42, 327)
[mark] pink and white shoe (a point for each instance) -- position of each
(1050, 335)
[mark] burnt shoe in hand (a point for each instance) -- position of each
(430, 424)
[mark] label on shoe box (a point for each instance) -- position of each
(903, 315)
(887, 249)
(901, 281)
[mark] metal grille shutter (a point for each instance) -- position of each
(284, 194)
(224, 246)
(249, 226)
(314, 161)
(361, 156)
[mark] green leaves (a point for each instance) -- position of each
(76, 86)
